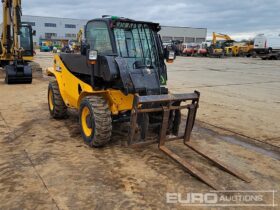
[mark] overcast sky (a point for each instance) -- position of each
(238, 18)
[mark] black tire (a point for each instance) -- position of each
(57, 107)
(95, 121)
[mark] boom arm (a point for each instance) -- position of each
(221, 36)
(11, 29)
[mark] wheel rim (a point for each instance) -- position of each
(51, 100)
(86, 121)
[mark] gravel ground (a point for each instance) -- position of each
(238, 94)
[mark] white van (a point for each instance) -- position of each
(266, 44)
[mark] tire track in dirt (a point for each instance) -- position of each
(242, 135)
(4, 128)
(235, 84)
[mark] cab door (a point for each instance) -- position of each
(26, 41)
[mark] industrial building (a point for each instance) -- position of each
(184, 34)
(63, 29)
(53, 28)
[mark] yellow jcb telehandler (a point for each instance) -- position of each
(120, 75)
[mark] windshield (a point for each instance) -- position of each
(98, 37)
(136, 44)
(219, 44)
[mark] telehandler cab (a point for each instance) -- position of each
(120, 75)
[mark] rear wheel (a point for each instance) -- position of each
(57, 107)
(95, 121)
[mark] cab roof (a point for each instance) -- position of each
(114, 20)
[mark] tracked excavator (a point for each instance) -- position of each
(120, 76)
(16, 48)
(221, 45)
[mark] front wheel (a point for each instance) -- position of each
(57, 107)
(95, 121)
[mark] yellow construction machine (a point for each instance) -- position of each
(120, 77)
(221, 45)
(80, 35)
(240, 49)
(246, 49)
(78, 43)
(74, 46)
(230, 47)
(16, 47)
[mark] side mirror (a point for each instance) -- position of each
(92, 56)
(34, 33)
(169, 56)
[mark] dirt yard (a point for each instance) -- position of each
(44, 163)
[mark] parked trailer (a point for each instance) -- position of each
(271, 56)
(190, 49)
(203, 48)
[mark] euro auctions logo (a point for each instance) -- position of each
(223, 198)
(190, 198)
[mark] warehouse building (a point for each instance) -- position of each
(63, 29)
(184, 34)
(54, 29)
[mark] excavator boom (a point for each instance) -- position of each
(221, 36)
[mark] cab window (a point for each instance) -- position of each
(97, 36)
